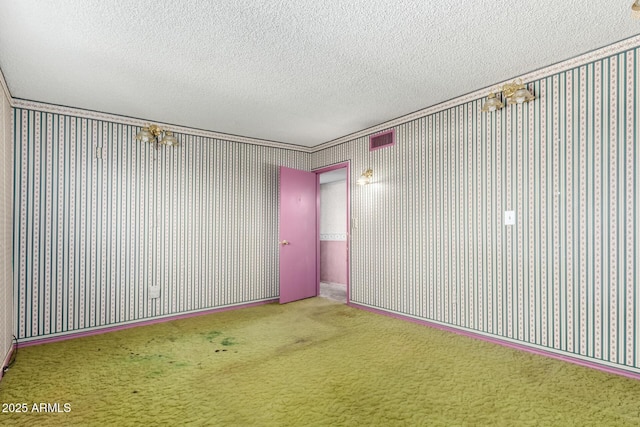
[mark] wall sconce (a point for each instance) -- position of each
(365, 178)
(492, 103)
(515, 93)
(157, 136)
(635, 9)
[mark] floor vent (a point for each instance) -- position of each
(381, 140)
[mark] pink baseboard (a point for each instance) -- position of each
(522, 347)
(135, 324)
(333, 261)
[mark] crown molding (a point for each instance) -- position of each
(580, 60)
(131, 121)
(577, 61)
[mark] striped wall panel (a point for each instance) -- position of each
(6, 224)
(564, 278)
(99, 218)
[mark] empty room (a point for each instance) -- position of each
(319, 213)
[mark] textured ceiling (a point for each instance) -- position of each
(299, 72)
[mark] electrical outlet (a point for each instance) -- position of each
(154, 292)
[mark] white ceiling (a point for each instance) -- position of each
(299, 72)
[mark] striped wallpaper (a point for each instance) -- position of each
(564, 278)
(6, 222)
(99, 218)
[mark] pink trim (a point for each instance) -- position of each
(317, 233)
(522, 347)
(347, 165)
(393, 139)
(106, 329)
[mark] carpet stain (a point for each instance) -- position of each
(336, 366)
(228, 341)
(212, 335)
(179, 364)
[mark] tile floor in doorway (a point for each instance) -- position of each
(334, 291)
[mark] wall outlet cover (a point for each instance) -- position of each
(154, 292)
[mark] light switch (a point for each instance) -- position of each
(509, 217)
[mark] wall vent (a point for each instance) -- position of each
(381, 140)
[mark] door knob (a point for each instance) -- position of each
(284, 242)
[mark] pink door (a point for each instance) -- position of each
(298, 234)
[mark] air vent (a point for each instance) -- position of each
(385, 139)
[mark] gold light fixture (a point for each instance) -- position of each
(515, 93)
(157, 136)
(365, 178)
(635, 9)
(492, 103)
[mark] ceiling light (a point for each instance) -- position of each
(365, 178)
(635, 9)
(157, 136)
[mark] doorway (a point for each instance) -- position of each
(333, 232)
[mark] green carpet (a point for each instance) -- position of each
(313, 362)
